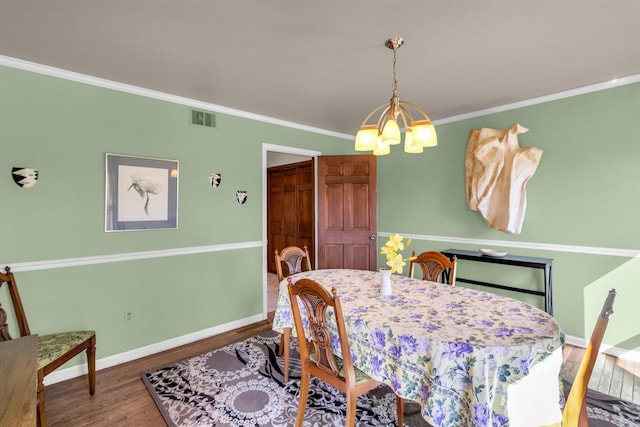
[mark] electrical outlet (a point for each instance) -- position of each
(128, 316)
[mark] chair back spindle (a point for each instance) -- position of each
(435, 267)
(295, 259)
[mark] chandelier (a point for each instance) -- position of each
(379, 137)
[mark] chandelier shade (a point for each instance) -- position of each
(367, 138)
(396, 117)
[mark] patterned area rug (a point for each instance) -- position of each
(242, 385)
(605, 411)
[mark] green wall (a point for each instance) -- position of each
(584, 194)
(583, 197)
(64, 128)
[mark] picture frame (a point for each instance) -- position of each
(141, 193)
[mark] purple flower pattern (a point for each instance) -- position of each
(456, 350)
(433, 355)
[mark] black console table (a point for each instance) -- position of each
(519, 261)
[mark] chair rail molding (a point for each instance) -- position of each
(593, 250)
(130, 256)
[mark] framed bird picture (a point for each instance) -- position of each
(141, 193)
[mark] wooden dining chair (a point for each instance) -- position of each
(54, 350)
(318, 359)
(575, 409)
(435, 266)
(296, 260)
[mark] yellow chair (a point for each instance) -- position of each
(434, 265)
(54, 350)
(317, 358)
(575, 409)
(296, 260)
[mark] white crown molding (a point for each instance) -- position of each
(135, 90)
(122, 87)
(542, 99)
(627, 253)
(127, 356)
(131, 256)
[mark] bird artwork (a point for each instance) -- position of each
(144, 187)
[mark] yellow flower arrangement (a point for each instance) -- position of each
(391, 249)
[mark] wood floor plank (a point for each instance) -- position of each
(636, 389)
(628, 378)
(572, 357)
(615, 387)
(598, 368)
(606, 375)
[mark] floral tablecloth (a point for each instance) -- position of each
(454, 350)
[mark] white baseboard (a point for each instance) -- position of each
(622, 353)
(127, 356)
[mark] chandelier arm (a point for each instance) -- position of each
(420, 110)
(372, 113)
(401, 112)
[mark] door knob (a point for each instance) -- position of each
(372, 237)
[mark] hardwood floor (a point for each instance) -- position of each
(611, 375)
(121, 398)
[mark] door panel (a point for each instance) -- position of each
(361, 202)
(334, 210)
(290, 209)
(306, 209)
(362, 253)
(347, 217)
(275, 232)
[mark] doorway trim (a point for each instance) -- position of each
(266, 148)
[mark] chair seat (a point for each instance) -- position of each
(361, 377)
(51, 347)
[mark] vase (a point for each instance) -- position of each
(385, 285)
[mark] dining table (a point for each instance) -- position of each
(467, 357)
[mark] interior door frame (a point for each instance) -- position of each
(266, 148)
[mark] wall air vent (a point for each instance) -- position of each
(203, 118)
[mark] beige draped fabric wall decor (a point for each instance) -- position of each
(497, 172)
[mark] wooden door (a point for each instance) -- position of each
(347, 212)
(290, 209)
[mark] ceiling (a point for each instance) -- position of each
(323, 63)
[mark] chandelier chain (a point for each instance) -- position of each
(395, 80)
